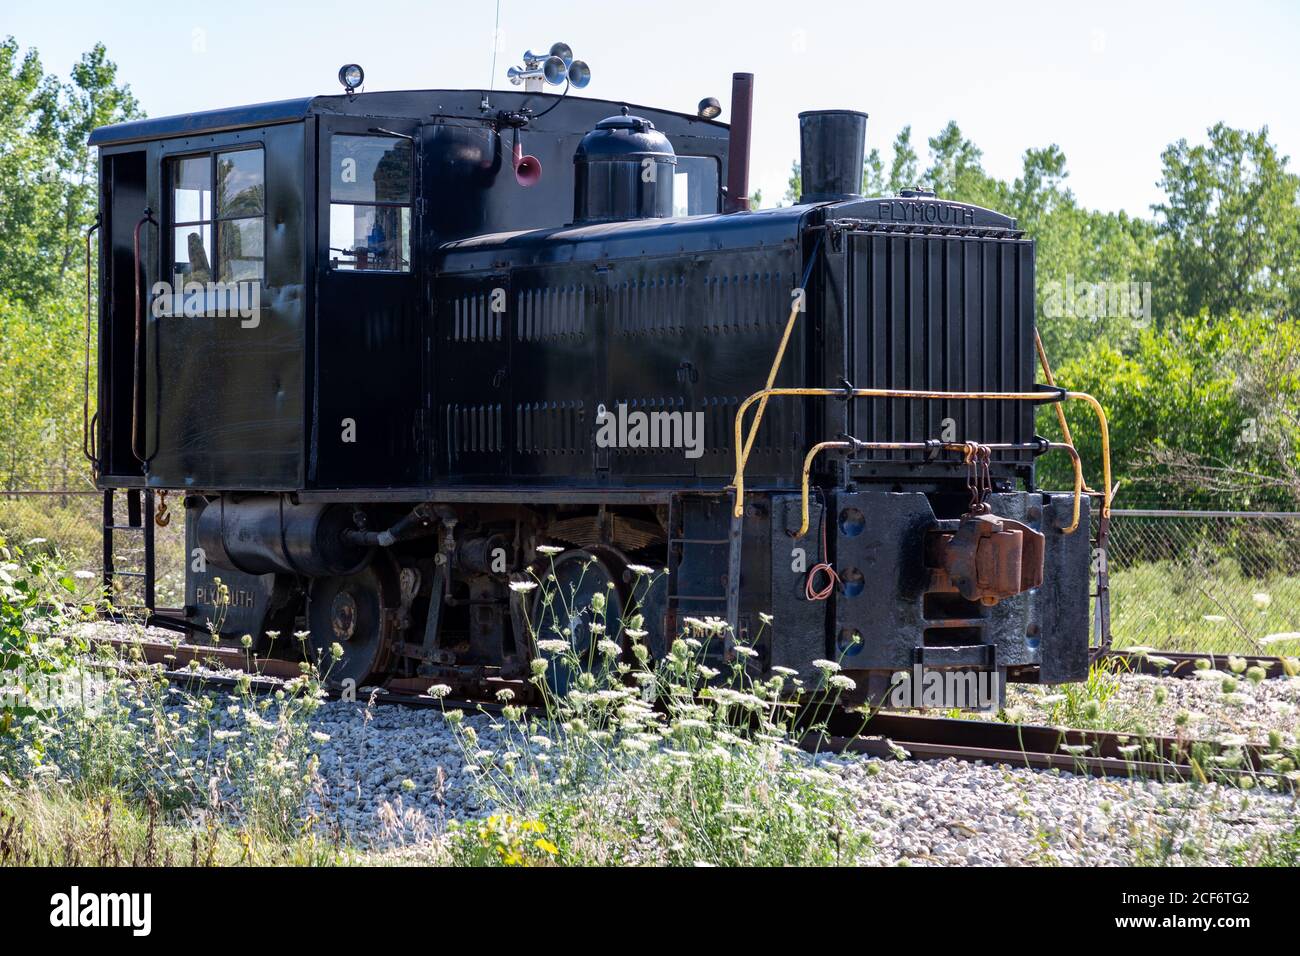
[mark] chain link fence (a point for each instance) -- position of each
(1222, 581)
(61, 532)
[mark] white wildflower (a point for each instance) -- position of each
(1280, 637)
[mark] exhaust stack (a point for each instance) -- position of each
(832, 145)
(742, 109)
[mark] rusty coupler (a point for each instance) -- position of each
(989, 558)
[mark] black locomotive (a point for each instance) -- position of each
(386, 345)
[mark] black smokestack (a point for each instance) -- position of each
(832, 144)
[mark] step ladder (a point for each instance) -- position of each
(139, 521)
(715, 536)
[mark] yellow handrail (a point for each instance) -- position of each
(743, 447)
(1051, 381)
(776, 366)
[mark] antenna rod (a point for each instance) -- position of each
(496, 42)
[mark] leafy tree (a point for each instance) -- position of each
(40, 393)
(92, 99)
(47, 201)
(47, 172)
(955, 171)
(903, 167)
(1184, 423)
(873, 175)
(28, 186)
(1232, 221)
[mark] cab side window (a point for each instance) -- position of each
(236, 220)
(695, 186)
(241, 253)
(370, 203)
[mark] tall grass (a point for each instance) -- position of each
(238, 763)
(1175, 606)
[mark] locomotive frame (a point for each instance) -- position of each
(382, 452)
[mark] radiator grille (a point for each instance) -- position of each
(941, 313)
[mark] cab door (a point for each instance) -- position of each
(366, 430)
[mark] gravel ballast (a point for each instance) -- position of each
(391, 777)
(949, 812)
(918, 812)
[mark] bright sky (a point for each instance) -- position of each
(1112, 83)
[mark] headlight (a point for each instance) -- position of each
(351, 76)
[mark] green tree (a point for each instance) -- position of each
(47, 201)
(955, 171)
(1202, 407)
(47, 170)
(904, 165)
(1232, 224)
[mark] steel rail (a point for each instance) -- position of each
(839, 730)
(1185, 664)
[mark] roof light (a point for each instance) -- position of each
(351, 76)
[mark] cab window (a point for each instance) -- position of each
(695, 186)
(370, 203)
(218, 217)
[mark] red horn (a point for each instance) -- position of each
(528, 169)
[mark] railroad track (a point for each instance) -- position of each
(1157, 663)
(1187, 663)
(1095, 752)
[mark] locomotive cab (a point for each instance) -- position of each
(318, 220)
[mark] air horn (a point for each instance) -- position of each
(528, 169)
(554, 68)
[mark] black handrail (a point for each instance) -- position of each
(139, 325)
(91, 312)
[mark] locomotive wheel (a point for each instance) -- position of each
(357, 612)
(579, 576)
